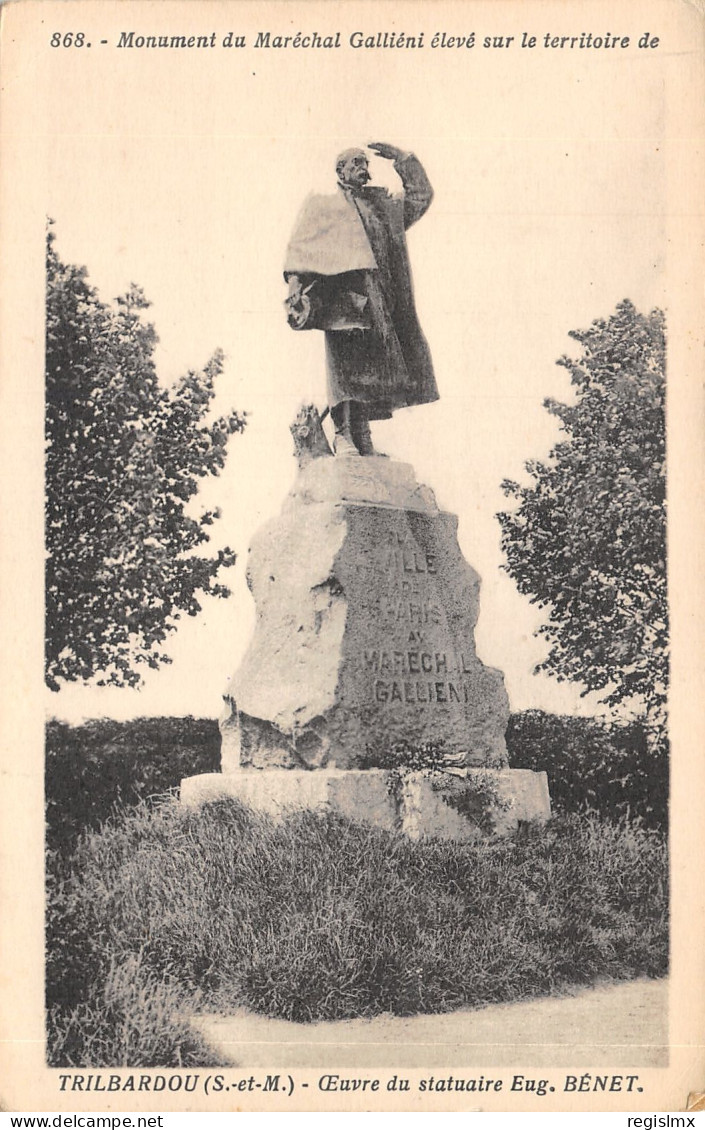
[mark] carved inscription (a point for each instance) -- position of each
(410, 668)
(414, 693)
(412, 662)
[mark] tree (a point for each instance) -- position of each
(124, 457)
(587, 540)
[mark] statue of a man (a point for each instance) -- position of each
(348, 272)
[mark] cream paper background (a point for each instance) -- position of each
(565, 181)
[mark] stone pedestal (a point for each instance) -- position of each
(364, 644)
(462, 804)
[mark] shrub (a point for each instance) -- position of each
(319, 918)
(92, 769)
(610, 770)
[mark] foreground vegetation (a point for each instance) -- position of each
(164, 910)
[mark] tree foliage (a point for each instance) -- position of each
(587, 541)
(124, 458)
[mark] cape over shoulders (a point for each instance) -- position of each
(329, 238)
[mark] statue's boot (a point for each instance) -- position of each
(341, 415)
(362, 436)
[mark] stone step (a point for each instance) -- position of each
(455, 804)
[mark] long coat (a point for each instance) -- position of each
(349, 251)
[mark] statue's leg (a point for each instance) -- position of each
(342, 416)
(362, 437)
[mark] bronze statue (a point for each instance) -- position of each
(348, 272)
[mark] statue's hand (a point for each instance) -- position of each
(298, 311)
(389, 152)
(298, 303)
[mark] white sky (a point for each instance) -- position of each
(184, 175)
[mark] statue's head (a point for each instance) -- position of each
(352, 168)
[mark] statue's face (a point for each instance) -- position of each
(353, 168)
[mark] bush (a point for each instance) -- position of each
(593, 767)
(318, 918)
(92, 769)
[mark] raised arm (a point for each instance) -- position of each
(418, 193)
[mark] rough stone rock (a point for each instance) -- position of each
(465, 804)
(364, 637)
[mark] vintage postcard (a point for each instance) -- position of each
(352, 543)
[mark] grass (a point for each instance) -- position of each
(167, 910)
(130, 1018)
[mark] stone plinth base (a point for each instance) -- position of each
(462, 804)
